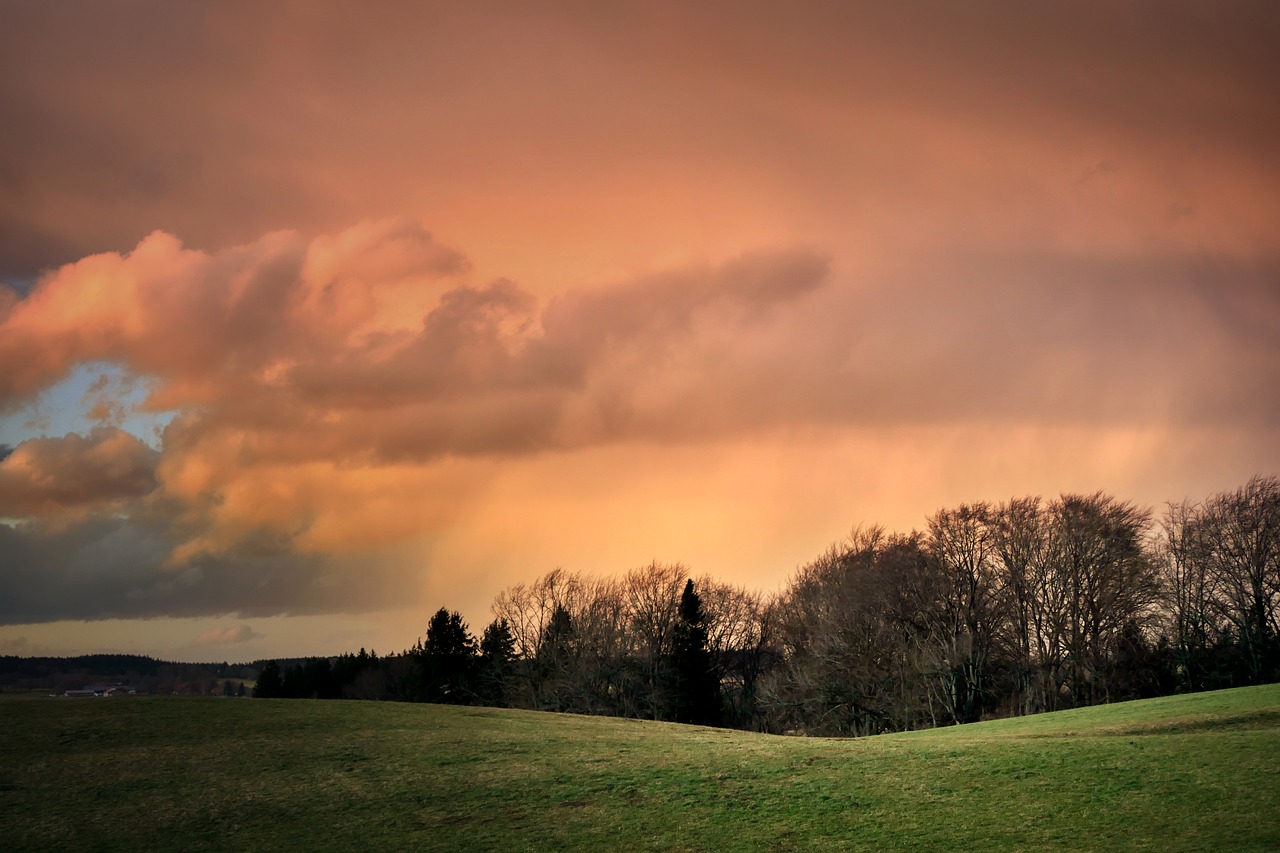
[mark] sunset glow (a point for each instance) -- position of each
(315, 318)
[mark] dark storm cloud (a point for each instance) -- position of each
(115, 568)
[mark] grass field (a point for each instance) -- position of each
(1195, 772)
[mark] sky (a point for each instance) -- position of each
(316, 317)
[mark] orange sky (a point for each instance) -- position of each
(429, 301)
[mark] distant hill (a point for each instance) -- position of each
(145, 674)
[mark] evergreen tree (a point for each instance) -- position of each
(497, 651)
(270, 685)
(697, 697)
(448, 659)
(554, 664)
(311, 679)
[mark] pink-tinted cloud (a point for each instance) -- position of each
(322, 386)
(320, 353)
(314, 379)
(226, 635)
(574, 137)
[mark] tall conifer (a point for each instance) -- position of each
(697, 696)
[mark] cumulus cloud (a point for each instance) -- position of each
(365, 344)
(332, 396)
(46, 476)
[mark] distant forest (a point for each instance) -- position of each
(992, 610)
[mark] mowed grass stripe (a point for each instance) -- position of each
(1195, 772)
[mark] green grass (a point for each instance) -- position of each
(1183, 773)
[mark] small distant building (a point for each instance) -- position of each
(91, 691)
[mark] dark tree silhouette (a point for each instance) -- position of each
(497, 654)
(448, 660)
(270, 684)
(696, 697)
(312, 679)
(554, 669)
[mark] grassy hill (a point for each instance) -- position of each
(1197, 772)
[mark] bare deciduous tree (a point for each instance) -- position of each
(963, 618)
(1109, 579)
(1238, 540)
(1030, 632)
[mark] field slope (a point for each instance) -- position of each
(1183, 773)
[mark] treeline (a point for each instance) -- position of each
(991, 610)
(506, 668)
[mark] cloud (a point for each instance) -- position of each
(105, 567)
(347, 391)
(1170, 339)
(567, 129)
(45, 476)
(366, 345)
(226, 635)
(334, 397)
(21, 647)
